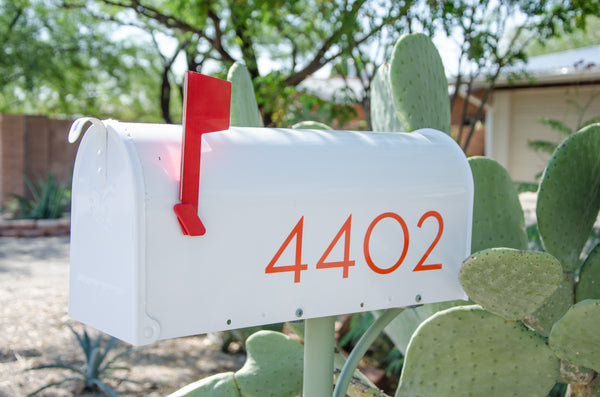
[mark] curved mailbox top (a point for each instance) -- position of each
(299, 224)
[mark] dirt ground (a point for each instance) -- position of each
(33, 331)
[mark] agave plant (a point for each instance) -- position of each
(96, 369)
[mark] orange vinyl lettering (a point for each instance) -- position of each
(297, 267)
(420, 266)
(346, 263)
(367, 252)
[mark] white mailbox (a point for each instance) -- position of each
(298, 224)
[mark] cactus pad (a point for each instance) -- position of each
(468, 351)
(311, 125)
(498, 219)
(384, 117)
(569, 196)
(220, 385)
(404, 325)
(588, 286)
(273, 368)
(510, 283)
(244, 109)
(419, 84)
(575, 337)
(553, 308)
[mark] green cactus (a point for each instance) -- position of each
(566, 216)
(220, 385)
(468, 351)
(498, 219)
(491, 348)
(264, 374)
(244, 109)
(588, 286)
(553, 308)
(575, 337)
(510, 283)
(419, 84)
(525, 290)
(384, 117)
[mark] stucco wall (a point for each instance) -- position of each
(515, 121)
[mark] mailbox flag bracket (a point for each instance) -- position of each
(206, 104)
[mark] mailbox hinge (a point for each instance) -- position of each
(206, 104)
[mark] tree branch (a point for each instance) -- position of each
(172, 22)
(319, 59)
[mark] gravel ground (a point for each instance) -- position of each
(33, 331)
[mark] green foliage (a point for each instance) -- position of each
(96, 369)
(71, 63)
(244, 110)
(562, 128)
(296, 39)
(588, 286)
(51, 199)
(412, 92)
(498, 219)
(384, 117)
(522, 280)
(575, 164)
(575, 336)
(567, 40)
(469, 351)
(263, 374)
(419, 85)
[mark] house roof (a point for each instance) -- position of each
(570, 66)
(575, 65)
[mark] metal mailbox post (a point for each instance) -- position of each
(288, 224)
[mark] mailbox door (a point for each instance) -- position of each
(107, 280)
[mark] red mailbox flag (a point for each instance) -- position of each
(206, 103)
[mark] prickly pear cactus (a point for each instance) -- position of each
(553, 308)
(569, 196)
(384, 117)
(419, 84)
(244, 109)
(468, 351)
(575, 337)
(273, 368)
(516, 292)
(220, 385)
(266, 374)
(588, 286)
(498, 219)
(521, 292)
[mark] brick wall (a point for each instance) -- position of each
(33, 146)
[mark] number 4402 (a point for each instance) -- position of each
(346, 263)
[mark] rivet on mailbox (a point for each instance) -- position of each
(201, 227)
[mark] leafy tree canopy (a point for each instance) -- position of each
(108, 57)
(63, 62)
(296, 38)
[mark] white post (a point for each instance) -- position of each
(319, 345)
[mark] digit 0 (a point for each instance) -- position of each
(366, 248)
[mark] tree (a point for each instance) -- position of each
(493, 36)
(62, 62)
(566, 41)
(297, 38)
